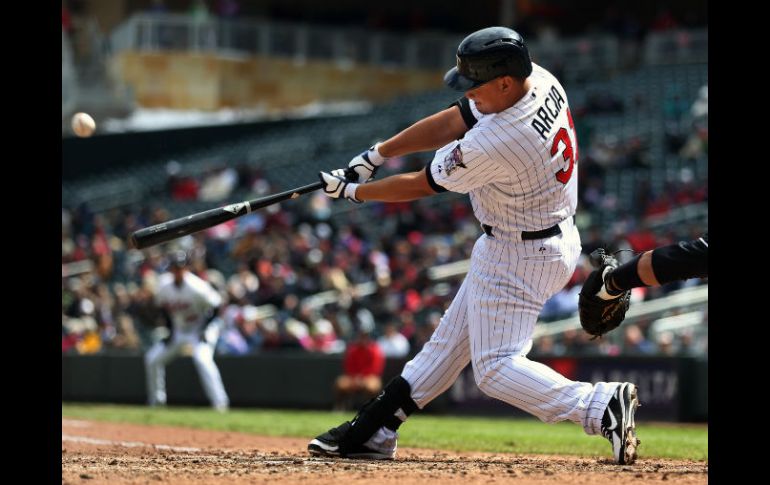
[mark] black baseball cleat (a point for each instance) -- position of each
(618, 424)
(329, 444)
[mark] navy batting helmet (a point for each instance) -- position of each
(487, 54)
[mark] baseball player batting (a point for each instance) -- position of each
(191, 307)
(510, 144)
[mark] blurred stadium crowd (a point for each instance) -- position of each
(282, 256)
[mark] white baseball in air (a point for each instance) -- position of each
(83, 125)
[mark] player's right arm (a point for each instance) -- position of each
(429, 133)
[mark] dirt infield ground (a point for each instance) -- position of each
(111, 453)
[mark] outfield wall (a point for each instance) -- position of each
(203, 81)
(670, 389)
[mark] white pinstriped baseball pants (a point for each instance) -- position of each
(490, 323)
(159, 355)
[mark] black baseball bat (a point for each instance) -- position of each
(166, 231)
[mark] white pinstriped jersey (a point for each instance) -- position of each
(518, 166)
(188, 304)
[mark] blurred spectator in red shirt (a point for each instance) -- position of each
(184, 188)
(642, 239)
(659, 206)
(362, 366)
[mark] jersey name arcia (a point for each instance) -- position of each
(548, 113)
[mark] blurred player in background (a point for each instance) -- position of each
(190, 307)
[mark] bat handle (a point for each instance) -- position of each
(300, 190)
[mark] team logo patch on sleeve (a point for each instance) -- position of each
(454, 160)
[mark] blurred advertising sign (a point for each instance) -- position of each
(658, 380)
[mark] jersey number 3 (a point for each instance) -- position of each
(570, 154)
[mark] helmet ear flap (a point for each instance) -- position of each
(523, 63)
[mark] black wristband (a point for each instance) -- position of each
(431, 181)
(624, 277)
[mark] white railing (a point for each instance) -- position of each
(178, 32)
(344, 46)
(76, 268)
(687, 297)
(679, 215)
(428, 50)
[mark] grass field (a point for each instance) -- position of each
(499, 435)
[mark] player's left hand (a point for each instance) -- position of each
(347, 173)
(363, 167)
(337, 186)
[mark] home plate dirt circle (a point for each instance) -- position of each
(115, 453)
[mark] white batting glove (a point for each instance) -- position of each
(365, 165)
(347, 173)
(338, 186)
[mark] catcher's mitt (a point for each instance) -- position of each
(598, 316)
